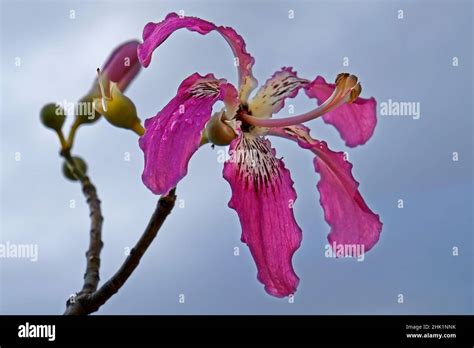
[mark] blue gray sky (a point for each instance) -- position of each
(405, 60)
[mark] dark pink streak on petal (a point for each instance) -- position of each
(122, 65)
(270, 98)
(174, 134)
(154, 34)
(351, 220)
(263, 197)
(355, 122)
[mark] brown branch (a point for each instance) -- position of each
(87, 303)
(91, 276)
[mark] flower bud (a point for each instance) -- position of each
(53, 116)
(90, 115)
(81, 165)
(121, 67)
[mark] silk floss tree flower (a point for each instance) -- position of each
(262, 189)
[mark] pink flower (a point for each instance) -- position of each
(262, 188)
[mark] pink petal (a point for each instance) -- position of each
(351, 220)
(174, 134)
(355, 122)
(154, 34)
(245, 61)
(122, 65)
(263, 197)
(271, 97)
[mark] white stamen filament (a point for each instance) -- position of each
(342, 94)
(102, 90)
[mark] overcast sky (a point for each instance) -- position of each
(405, 60)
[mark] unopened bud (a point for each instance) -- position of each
(121, 67)
(80, 164)
(89, 114)
(53, 116)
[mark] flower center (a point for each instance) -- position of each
(243, 110)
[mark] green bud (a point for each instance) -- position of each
(67, 170)
(87, 114)
(52, 116)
